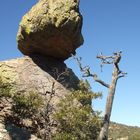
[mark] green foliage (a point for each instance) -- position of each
(4, 89)
(26, 105)
(84, 94)
(76, 119)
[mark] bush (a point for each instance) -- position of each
(76, 118)
(4, 89)
(26, 105)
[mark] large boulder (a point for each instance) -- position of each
(37, 74)
(51, 28)
(46, 80)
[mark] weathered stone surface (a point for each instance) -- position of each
(51, 28)
(10, 131)
(37, 74)
(31, 74)
(13, 132)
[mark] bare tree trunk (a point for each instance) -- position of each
(104, 130)
(112, 87)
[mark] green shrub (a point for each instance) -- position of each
(26, 105)
(4, 89)
(76, 118)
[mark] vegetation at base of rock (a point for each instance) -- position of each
(27, 105)
(84, 94)
(23, 105)
(77, 121)
(4, 89)
(74, 119)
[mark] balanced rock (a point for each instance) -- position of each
(51, 28)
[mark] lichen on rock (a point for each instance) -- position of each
(51, 28)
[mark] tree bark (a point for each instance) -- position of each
(104, 130)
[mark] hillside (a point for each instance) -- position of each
(117, 131)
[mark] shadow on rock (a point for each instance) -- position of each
(57, 69)
(17, 133)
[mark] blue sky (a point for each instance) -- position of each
(109, 26)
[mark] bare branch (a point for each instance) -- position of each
(62, 74)
(104, 57)
(100, 81)
(122, 74)
(104, 60)
(87, 73)
(114, 59)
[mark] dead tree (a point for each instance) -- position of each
(116, 74)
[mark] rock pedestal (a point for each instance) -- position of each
(36, 74)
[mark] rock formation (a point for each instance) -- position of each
(48, 34)
(24, 75)
(36, 74)
(51, 28)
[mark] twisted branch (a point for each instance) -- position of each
(87, 73)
